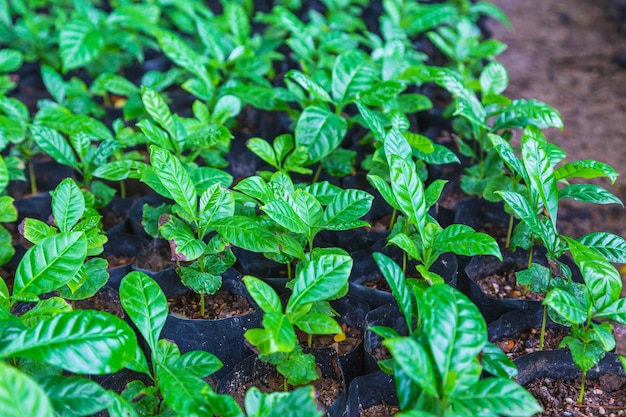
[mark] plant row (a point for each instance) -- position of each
(165, 93)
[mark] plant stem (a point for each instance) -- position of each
(289, 270)
(123, 189)
(509, 232)
(317, 173)
(392, 222)
(582, 388)
(202, 304)
(310, 339)
(31, 174)
(285, 386)
(543, 327)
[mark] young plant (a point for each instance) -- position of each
(203, 210)
(590, 308)
(304, 212)
(317, 281)
(437, 369)
(37, 346)
(10, 60)
(419, 235)
(8, 212)
(70, 214)
(282, 155)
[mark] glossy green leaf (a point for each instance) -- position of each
(399, 289)
(198, 363)
(522, 209)
(586, 169)
(10, 60)
(175, 178)
(320, 279)
(384, 92)
(505, 150)
(536, 277)
(601, 278)
(323, 191)
(309, 85)
(278, 335)
(414, 360)
(499, 396)
(396, 144)
(584, 355)
(384, 189)
(21, 396)
(352, 74)
(80, 42)
(589, 193)
(94, 275)
(35, 230)
(263, 150)
(455, 330)
(263, 295)
(146, 305)
(615, 311)
(316, 323)
(540, 173)
(49, 265)
(5, 298)
(183, 242)
(609, 245)
(180, 389)
(347, 206)
(51, 142)
(372, 120)
(246, 233)
(407, 244)
(279, 404)
(497, 363)
(75, 396)
(68, 204)
(158, 109)
(409, 192)
(521, 113)
(494, 78)
(320, 131)
(566, 305)
(285, 215)
(432, 193)
(255, 187)
(120, 170)
(82, 341)
(458, 239)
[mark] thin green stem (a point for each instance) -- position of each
(310, 340)
(289, 270)
(123, 189)
(31, 174)
(509, 233)
(392, 222)
(202, 304)
(544, 320)
(582, 388)
(317, 173)
(285, 386)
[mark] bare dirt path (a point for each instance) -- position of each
(563, 52)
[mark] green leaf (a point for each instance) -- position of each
(320, 131)
(246, 233)
(566, 305)
(455, 330)
(49, 265)
(585, 355)
(609, 245)
(277, 404)
(285, 215)
(372, 120)
(80, 42)
(323, 191)
(82, 341)
(183, 243)
(352, 74)
(589, 193)
(51, 142)
(409, 192)
(120, 170)
(522, 210)
(458, 239)
(536, 277)
(198, 363)
(157, 109)
(309, 85)
(8, 212)
(75, 396)
(601, 278)
(586, 169)
(397, 282)
(319, 279)
(432, 193)
(263, 295)
(200, 282)
(95, 275)
(278, 334)
(494, 78)
(521, 113)
(316, 323)
(347, 206)
(68, 204)
(180, 389)
(216, 203)
(10, 60)
(615, 311)
(384, 189)
(255, 187)
(497, 363)
(145, 304)
(414, 360)
(263, 150)
(175, 178)
(21, 396)
(505, 150)
(540, 172)
(499, 396)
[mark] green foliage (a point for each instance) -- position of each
(437, 369)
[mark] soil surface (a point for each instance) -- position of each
(605, 396)
(565, 53)
(220, 305)
(528, 341)
(503, 284)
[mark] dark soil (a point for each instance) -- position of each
(528, 341)
(327, 390)
(116, 261)
(503, 285)
(220, 305)
(156, 257)
(381, 353)
(106, 299)
(379, 283)
(605, 396)
(380, 410)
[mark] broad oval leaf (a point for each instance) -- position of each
(50, 264)
(263, 295)
(81, 341)
(408, 191)
(68, 204)
(397, 282)
(146, 305)
(175, 178)
(414, 360)
(589, 193)
(199, 363)
(317, 323)
(352, 74)
(285, 215)
(75, 396)
(313, 88)
(609, 245)
(120, 170)
(347, 206)
(80, 42)
(586, 169)
(21, 396)
(51, 142)
(522, 210)
(494, 78)
(180, 389)
(566, 305)
(320, 279)
(320, 131)
(247, 234)
(499, 396)
(466, 242)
